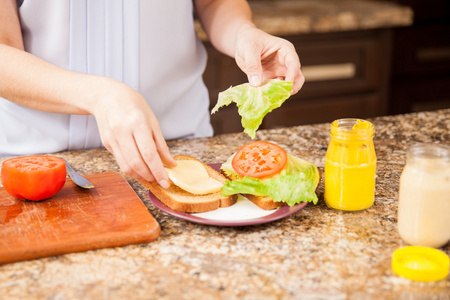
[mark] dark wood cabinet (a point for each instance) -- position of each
(421, 59)
(347, 75)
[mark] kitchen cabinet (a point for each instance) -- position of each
(347, 75)
(421, 59)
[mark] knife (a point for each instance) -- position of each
(77, 178)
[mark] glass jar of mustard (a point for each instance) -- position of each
(350, 165)
(424, 196)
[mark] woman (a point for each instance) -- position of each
(126, 74)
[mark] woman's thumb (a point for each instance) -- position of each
(253, 67)
(254, 80)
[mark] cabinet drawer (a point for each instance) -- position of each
(422, 51)
(343, 62)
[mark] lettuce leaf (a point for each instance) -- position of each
(296, 183)
(254, 103)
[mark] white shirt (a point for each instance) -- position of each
(150, 45)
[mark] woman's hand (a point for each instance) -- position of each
(131, 132)
(263, 56)
(229, 26)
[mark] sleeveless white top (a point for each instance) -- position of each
(150, 45)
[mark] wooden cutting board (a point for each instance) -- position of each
(74, 220)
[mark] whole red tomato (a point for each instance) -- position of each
(34, 177)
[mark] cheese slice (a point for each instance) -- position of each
(191, 176)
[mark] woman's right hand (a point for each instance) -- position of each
(130, 131)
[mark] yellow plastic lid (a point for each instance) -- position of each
(420, 263)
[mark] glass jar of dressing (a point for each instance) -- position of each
(350, 165)
(424, 197)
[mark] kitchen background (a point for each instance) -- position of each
(361, 58)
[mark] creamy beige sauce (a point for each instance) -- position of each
(424, 203)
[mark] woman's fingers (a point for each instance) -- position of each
(122, 161)
(293, 72)
(149, 156)
(252, 64)
(161, 147)
(267, 56)
(131, 132)
(248, 56)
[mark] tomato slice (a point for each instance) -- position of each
(259, 159)
(34, 177)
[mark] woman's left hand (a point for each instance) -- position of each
(263, 56)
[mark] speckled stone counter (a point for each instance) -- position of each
(291, 17)
(317, 253)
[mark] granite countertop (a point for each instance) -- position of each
(291, 17)
(317, 253)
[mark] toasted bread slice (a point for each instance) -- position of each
(181, 200)
(264, 202)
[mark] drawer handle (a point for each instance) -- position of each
(433, 54)
(329, 72)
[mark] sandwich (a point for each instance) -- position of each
(269, 177)
(195, 187)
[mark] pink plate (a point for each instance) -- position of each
(277, 214)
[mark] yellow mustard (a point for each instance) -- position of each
(350, 165)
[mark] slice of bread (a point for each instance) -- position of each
(181, 200)
(264, 202)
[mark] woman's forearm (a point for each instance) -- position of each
(222, 20)
(32, 82)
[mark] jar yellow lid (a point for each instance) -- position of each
(420, 263)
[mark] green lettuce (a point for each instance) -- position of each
(296, 183)
(254, 103)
